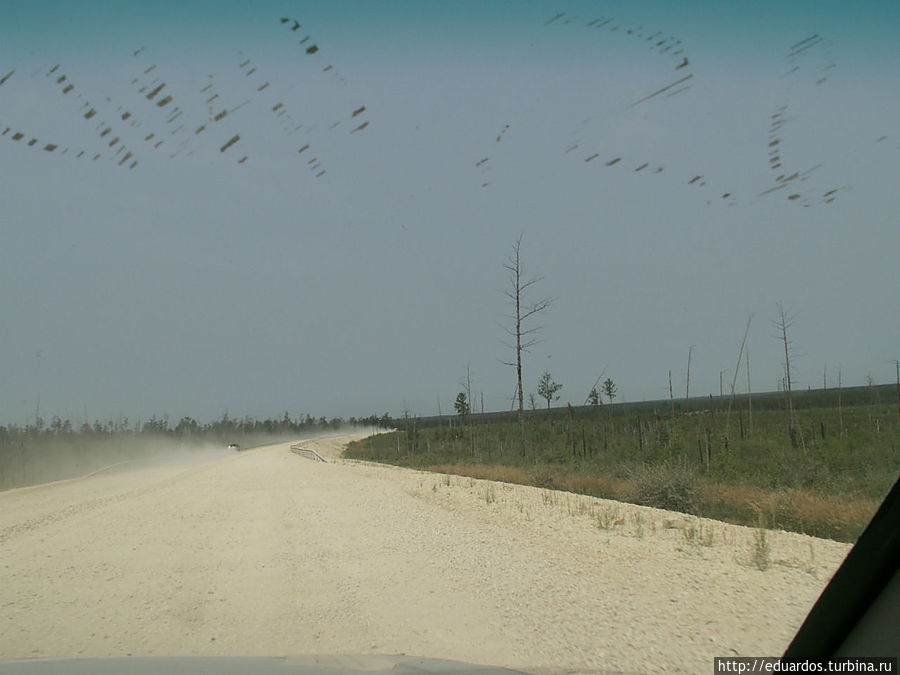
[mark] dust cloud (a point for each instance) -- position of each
(48, 460)
(45, 460)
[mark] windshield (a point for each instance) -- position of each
(613, 282)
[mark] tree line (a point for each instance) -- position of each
(221, 428)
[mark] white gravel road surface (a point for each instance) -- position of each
(265, 552)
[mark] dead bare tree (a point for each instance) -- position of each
(736, 369)
(897, 366)
(749, 392)
(671, 396)
(466, 382)
(687, 386)
(782, 323)
(594, 389)
(524, 310)
(840, 404)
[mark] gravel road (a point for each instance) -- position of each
(265, 552)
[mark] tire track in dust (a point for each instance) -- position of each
(88, 506)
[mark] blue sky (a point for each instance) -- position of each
(193, 284)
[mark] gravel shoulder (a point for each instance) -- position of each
(265, 552)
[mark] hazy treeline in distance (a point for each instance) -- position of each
(41, 452)
(820, 470)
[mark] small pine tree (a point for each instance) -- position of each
(461, 404)
(609, 388)
(547, 388)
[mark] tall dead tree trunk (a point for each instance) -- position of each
(467, 383)
(671, 397)
(749, 394)
(897, 366)
(524, 337)
(737, 368)
(782, 323)
(840, 405)
(687, 386)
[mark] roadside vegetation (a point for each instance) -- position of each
(820, 468)
(816, 462)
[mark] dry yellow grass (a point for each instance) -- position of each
(840, 517)
(835, 516)
(498, 472)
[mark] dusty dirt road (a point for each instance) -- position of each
(267, 553)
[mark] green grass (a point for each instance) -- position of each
(825, 479)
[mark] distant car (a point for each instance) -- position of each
(234, 446)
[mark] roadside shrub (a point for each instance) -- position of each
(669, 485)
(761, 550)
(542, 477)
